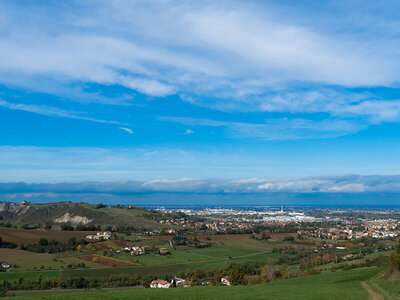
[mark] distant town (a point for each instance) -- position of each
(334, 223)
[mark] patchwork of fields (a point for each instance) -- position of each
(225, 250)
(178, 261)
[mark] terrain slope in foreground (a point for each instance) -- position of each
(330, 285)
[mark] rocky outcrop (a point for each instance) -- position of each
(73, 220)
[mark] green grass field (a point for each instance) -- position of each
(337, 285)
(180, 260)
(31, 276)
(244, 242)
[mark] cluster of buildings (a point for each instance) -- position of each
(179, 282)
(179, 221)
(163, 284)
(374, 229)
(106, 235)
(223, 219)
(137, 250)
(291, 218)
(142, 250)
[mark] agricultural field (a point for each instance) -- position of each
(98, 265)
(20, 236)
(178, 261)
(243, 241)
(30, 261)
(106, 260)
(328, 285)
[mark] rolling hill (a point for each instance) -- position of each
(56, 214)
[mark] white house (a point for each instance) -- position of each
(159, 283)
(225, 281)
(5, 265)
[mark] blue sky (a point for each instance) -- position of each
(146, 90)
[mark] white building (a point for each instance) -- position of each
(179, 282)
(159, 283)
(225, 281)
(5, 265)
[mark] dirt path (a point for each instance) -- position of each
(372, 294)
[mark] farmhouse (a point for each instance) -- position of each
(138, 251)
(225, 281)
(5, 265)
(163, 251)
(159, 283)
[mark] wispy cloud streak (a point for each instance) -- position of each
(52, 111)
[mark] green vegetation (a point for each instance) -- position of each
(338, 285)
(44, 245)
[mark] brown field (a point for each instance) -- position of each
(98, 246)
(120, 243)
(15, 256)
(25, 236)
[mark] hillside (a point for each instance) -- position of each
(74, 214)
(337, 285)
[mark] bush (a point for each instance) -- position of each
(346, 267)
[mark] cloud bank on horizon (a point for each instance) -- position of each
(227, 89)
(328, 190)
(320, 184)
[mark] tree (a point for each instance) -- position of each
(43, 242)
(395, 258)
(217, 274)
(236, 275)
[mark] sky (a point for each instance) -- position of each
(200, 95)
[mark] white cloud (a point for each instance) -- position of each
(149, 87)
(189, 131)
(216, 48)
(52, 111)
(128, 130)
(224, 55)
(277, 129)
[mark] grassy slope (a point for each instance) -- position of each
(391, 290)
(338, 285)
